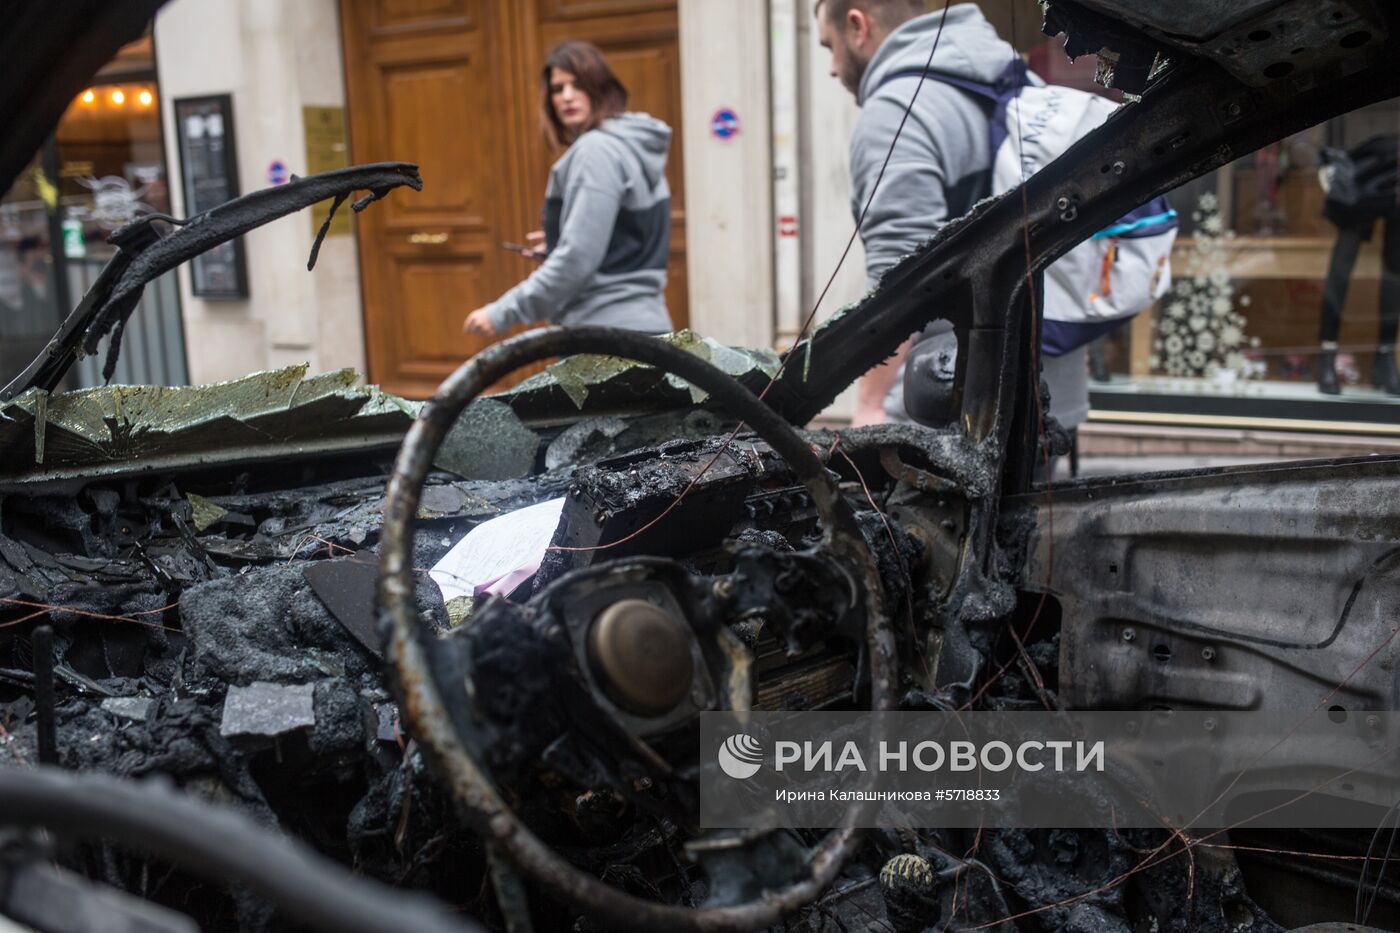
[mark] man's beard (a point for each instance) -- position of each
(854, 71)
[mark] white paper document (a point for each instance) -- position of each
(498, 555)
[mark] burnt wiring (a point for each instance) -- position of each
(46, 608)
(1039, 406)
(357, 206)
(1364, 914)
(1158, 855)
(864, 212)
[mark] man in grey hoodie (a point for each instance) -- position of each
(607, 226)
(942, 163)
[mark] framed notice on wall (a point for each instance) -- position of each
(325, 151)
(209, 171)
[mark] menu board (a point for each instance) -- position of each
(209, 171)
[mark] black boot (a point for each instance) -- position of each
(1098, 366)
(1383, 372)
(1327, 372)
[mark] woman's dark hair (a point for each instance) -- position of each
(585, 62)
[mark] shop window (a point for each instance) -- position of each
(103, 167)
(1280, 281)
(1286, 292)
(28, 301)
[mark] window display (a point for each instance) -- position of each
(103, 167)
(1286, 299)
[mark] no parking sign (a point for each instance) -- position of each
(724, 124)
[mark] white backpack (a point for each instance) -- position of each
(1119, 271)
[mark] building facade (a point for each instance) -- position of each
(1271, 294)
(452, 86)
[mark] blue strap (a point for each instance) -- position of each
(1060, 337)
(1140, 227)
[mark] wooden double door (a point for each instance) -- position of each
(453, 85)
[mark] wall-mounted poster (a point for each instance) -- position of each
(209, 169)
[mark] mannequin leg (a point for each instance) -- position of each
(1334, 297)
(1384, 374)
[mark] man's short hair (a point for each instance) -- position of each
(888, 13)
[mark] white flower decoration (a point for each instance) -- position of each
(1200, 322)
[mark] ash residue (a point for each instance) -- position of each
(972, 467)
(1055, 866)
(513, 671)
(269, 625)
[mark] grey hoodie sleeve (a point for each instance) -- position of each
(910, 204)
(592, 196)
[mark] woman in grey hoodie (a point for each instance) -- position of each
(607, 210)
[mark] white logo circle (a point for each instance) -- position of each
(741, 756)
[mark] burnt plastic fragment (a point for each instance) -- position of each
(268, 709)
(346, 585)
(488, 441)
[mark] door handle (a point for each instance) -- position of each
(431, 239)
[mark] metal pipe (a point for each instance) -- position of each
(41, 643)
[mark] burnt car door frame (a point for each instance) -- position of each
(982, 272)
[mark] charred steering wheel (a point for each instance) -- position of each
(425, 711)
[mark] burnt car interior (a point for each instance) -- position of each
(231, 698)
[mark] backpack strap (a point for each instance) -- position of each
(1012, 78)
(998, 93)
(985, 91)
(1153, 218)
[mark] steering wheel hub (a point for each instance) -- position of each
(641, 656)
